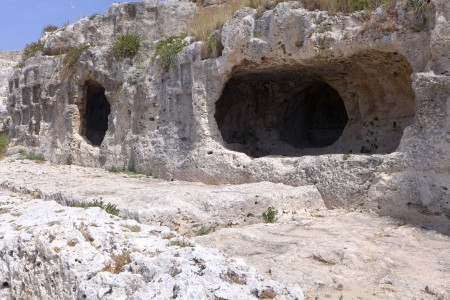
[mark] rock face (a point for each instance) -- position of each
(48, 251)
(7, 61)
(357, 106)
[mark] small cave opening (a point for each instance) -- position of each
(359, 104)
(96, 112)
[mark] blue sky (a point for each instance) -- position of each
(21, 21)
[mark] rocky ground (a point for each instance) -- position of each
(334, 254)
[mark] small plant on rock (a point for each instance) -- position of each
(126, 46)
(270, 216)
(168, 48)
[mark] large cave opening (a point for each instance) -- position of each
(360, 104)
(96, 113)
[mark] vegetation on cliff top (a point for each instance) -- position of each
(211, 18)
(49, 28)
(32, 49)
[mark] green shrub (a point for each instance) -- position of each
(270, 216)
(32, 49)
(49, 28)
(20, 65)
(72, 58)
(69, 160)
(4, 142)
(126, 46)
(168, 49)
(92, 17)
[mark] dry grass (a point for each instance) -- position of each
(119, 261)
(211, 18)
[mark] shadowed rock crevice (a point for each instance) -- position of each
(353, 105)
(95, 115)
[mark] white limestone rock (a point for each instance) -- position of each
(49, 251)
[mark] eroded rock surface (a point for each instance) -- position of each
(182, 206)
(328, 253)
(349, 254)
(8, 60)
(49, 251)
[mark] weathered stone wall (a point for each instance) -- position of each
(8, 59)
(391, 72)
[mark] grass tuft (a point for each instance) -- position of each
(126, 46)
(120, 261)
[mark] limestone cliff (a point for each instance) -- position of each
(357, 106)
